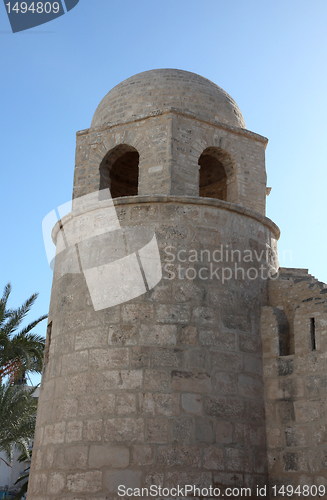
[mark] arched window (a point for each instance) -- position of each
(213, 178)
(119, 171)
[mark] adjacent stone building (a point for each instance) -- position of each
(216, 376)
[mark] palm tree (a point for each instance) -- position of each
(20, 351)
(17, 418)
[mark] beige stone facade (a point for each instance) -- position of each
(182, 384)
(295, 325)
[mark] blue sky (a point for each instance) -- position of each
(270, 56)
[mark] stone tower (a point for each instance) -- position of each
(165, 389)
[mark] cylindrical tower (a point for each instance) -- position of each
(164, 386)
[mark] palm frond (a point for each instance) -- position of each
(23, 348)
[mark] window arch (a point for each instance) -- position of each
(212, 176)
(119, 171)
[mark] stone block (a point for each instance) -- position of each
(254, 411)
(87, 339)
(105, 359)
(249, 343)
(136, 313)
(196, 358)
(182, 430)
(127, 478)
(140, 357)
(56, 483)
(274, 437)
(199, 480)
(74, 431)
(204, 316)
(54, 433)
(156, 380)
(213, 458)
(188, 292)
(254, 435)
(260, 462)
(178, 314)
(37, 484)
(156, 430)
(294, 461)
(154, 477)
(224, 383)
(204, 432)
(49, 455)
(250, 387)
(316, 385)
(84, 482)
(296, 435)
(124, 379)
(78, 384)
(224, 479)
(125, 404)
(192, 403)
(238, 459)
(159, 404)
(123, 335)
(285, 411)
(225, 361)
(124, 429)
(188, 335)
(69, 458)
(223, 407)
(92, 405)
(190, 381)
(220, 339)
(224, 432)
(143, 455)
(158, 335)
(307, 410)
(144, 213)
(75, 362)
(109, 456)
(172, 358)
(320, 434)
(285, 366)
(92, 430)
(179, 455)
(68, 408)
(285, 388)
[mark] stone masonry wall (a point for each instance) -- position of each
(296, 384)
(170, 145)
(167, 388)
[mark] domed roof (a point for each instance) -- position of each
(150, 91)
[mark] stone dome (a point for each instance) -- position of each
(152, 91)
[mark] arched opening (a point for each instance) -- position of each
(213, 178)
(119, 171)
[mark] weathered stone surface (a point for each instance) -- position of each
(159, 404)
(192, 403)
(85, 482)
(213, 458)
(124, 429)
(109, 456)
(179, 455)
(156, 430)
(181, 385)
(190, 381)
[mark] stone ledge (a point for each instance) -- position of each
(180, 112)
(185, 200)
(197, 200)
